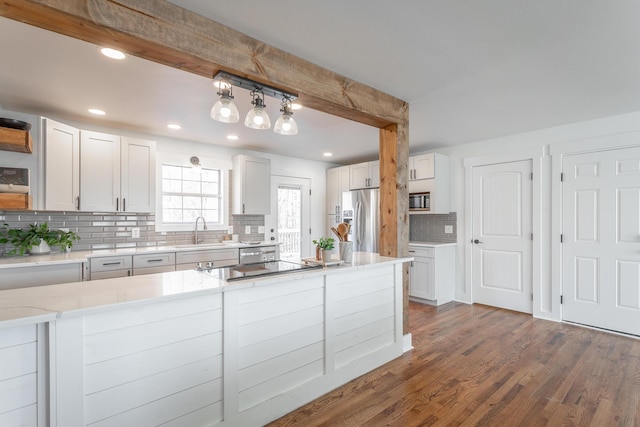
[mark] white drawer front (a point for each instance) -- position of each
(155, 260)
(111, 263)
(422, 251)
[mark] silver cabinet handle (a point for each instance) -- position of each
(117, 204)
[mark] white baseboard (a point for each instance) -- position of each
(406, 343)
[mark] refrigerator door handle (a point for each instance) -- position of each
(359, 224)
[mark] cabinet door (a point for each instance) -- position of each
(333, 189)
(374, 174)
(423, 278)
(358, 176)
(251, 185)
(137, 174)
(61, 167)
(423, 166)
(99, 172)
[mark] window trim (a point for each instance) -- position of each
(183, 160)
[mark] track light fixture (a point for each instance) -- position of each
(225, 110)
(285, 125)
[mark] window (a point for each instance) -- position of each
(188, 193)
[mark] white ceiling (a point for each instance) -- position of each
(470, 70)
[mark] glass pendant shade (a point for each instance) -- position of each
(257, 117)
(286, 125)
(225, 110)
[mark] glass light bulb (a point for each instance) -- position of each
(286, 125)
(224, 110)
(258, 120)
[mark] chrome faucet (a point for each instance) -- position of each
(204, 223)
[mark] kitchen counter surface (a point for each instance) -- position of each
(431, 244)
(83, 256)
(46, 303)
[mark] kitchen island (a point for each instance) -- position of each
(187, 349)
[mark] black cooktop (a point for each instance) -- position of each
(248, 271)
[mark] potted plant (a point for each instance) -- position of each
(37, 239)
(324, 245)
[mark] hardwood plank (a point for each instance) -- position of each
(485, 366)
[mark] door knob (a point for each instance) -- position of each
(476, 241)
(273, 238)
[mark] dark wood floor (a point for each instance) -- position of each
(484, 366)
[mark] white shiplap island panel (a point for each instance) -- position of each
(186, 349)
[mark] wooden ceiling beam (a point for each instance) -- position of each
(168, 34)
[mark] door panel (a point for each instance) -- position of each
(502, 227)
(601, 229)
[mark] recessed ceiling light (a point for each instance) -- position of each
(112, 53)
(174, 126)
(327, 154)
(96, 112)
(296, 106)
(232, 137)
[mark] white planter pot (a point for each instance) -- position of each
(41, 249)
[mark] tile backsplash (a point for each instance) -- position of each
(431, 228)
(113, 230)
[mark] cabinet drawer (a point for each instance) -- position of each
(110, 263)
(194, 257)
(421, 251)
(154, 260)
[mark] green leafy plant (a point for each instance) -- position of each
(324, 243)
(23, 240)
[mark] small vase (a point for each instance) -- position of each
(318, 253)
(346, 251)
(42, 249)
(326, 255)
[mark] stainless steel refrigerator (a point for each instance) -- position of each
(361, 209)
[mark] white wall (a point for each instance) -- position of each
(541, 139)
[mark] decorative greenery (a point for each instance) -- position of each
(23, 240)
(324, 243)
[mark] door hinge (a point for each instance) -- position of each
(531, 297)
(561, 176)
(560, 299)
(531, 236)
(309, 192)
(531, 176)
(309, 231)
(561, 238)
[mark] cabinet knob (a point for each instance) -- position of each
(273, 238)
(476, 241)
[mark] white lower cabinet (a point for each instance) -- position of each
(26, 277)
(432, 276)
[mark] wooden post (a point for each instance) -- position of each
(394, 201)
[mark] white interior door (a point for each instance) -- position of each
(502, 246)
(601, 236)
(289, 221)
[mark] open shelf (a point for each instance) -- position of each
(15, 140)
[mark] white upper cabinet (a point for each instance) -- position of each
(364, 175)
(422, 167)
(97, 172)
(137, 175)
(430, 173)
(251, 185)
(337, 183)
(61, 167)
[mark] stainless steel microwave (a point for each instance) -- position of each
(420, 201)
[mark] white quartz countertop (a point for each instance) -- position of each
(431, 244)
(83, 256)
(47, 303)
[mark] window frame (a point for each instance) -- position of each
(182, 160)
